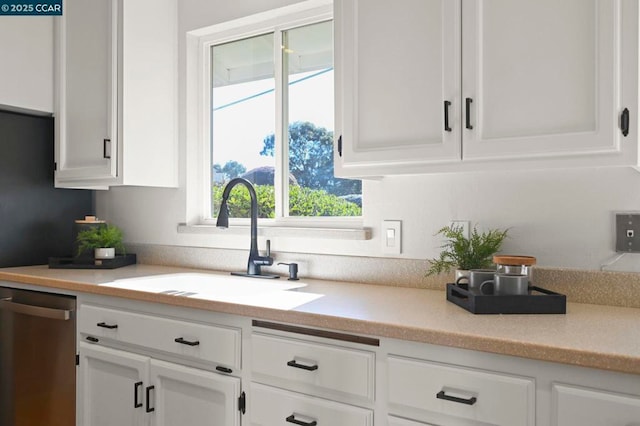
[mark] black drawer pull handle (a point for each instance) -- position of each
(92, 339)
(106, 148)
(470, 401)
(136, 386)
(293, 363)
(468, 113)
(186, 342)
(109, 326)
(624, 122)
(149, 408)
(447, 104)
(292, 419)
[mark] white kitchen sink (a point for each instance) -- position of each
(248, 291)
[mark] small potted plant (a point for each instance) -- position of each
(104, 240)
(462, 254)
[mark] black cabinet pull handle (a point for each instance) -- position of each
(292, 419)
(447, 104)
(624, 122)
(186, 342)
(106, 153)
(92, 339)
(468, 102)
(136, 403)
(149, 408)
(109, 326)
(293, 363)
(340, 146)
(470, 401)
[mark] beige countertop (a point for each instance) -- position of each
(604, 337)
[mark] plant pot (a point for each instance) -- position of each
(104, 253)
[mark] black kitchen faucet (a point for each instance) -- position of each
(255, 260)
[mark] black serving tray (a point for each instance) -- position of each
(90, 263)
(538, 301)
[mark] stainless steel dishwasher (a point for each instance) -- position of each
(37, 358)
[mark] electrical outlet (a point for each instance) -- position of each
(628, 232)
(464, 224)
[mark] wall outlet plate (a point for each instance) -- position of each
(628, 232)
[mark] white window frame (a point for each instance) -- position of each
(198, 83)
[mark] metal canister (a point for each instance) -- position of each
(514, 264)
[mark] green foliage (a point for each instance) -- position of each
(462, 253)
(303, 202)
(311, 159)
(102, 236)
(317, 202)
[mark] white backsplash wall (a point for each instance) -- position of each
(563, 217)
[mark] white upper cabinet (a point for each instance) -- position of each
(116, 106)
(526, 83)
(27, 63)
(397, 63)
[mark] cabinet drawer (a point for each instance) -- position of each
(574, 405)
(273, 406)
(313, 367)
(216, 344)
(396, 421)
(431, 389)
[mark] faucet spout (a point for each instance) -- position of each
(255, 260)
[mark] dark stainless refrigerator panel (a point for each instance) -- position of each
(36, 219)
(37, 358)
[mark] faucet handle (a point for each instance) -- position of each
(268, 248)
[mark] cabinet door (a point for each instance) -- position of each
(111, 388)
(397, 62)
(574, 406)
(86, 101)
(190, 397)
(544, 79)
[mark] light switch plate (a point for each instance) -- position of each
(391, 236)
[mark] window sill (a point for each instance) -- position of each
(281, 231)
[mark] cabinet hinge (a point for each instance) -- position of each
(340, 146)
(624, 122)
(77, 359)
(242, 403)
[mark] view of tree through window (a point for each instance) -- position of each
(245, 124)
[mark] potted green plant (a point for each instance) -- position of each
(461, 253)
(104, 240)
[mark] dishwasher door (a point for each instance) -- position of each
(37, 358)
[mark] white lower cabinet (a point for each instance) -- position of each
(111, 388)
(579, 406)
(305, 380)
(438, 391)
(184, 396)
(271, 406)
(122, 388)
(396, 421)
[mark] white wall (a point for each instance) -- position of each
(27, 57)
(563, 217)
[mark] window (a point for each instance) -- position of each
(271, 113)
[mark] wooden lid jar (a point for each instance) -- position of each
(514, 264)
